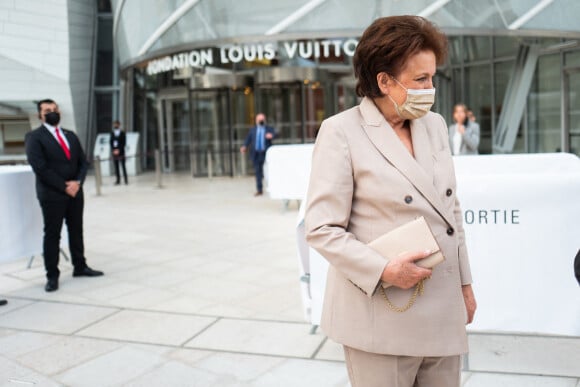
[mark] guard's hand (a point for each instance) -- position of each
(402, 271)
(470, 303)
(243, 149)
(269, 136)
(72, 188)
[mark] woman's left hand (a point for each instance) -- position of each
(470, 303)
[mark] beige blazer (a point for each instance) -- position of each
(363, 184)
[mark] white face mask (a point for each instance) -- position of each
(417, 104)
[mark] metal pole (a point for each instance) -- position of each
(158, 168)
(209, 165)
(98, 176)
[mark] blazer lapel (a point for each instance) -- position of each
(422, 147)
(419, 172)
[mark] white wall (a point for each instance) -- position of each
(46, 52)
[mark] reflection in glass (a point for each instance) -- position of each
(544, 104)
(478, 82)
(574, 111)
(105, 55)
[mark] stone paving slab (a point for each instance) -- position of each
(505, 380)
(525, 354)
(54, 317)
(263, 337)
(149, 327)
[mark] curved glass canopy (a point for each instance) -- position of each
(146, 28)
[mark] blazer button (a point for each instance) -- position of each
(449, 192)
(450, 231)
(408, 199)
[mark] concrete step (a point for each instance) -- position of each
(524, 354)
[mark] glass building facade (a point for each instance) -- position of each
(192, 74)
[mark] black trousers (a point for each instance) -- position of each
(259, 159)
(117, 161)
(54, 213)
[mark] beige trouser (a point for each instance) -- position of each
(374, 370)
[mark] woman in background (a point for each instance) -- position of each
(464, 133)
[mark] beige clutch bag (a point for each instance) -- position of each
(413, 236)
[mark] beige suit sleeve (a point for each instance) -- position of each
(464, 268)
(329, 203)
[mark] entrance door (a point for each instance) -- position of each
(212, 135)
(571, 134)
(174, 131)
(220, 120)
(295, 109)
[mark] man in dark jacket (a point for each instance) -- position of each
(258, 140)
(60, 166)
(118, 141)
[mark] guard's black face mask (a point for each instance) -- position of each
(261, 123)
(52, 118)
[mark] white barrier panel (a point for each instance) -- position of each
(521, 221)
(132, 162)
(20, 215)
(287, 170)
(103, 150)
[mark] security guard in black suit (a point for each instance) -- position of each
(118, 142)
(60, 166)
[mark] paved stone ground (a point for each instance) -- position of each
(201, 289)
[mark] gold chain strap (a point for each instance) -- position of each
(419, 290)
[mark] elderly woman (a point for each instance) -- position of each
(464, 133)
(376, 167)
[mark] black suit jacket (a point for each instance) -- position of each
(121, 142)
(251, 140)
(50, 165)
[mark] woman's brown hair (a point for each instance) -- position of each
(387, 44)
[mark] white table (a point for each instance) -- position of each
(20, 215)
(521, 215)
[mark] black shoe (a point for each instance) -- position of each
(3, 302)
(259, 193)
(51, 285)
(87, 272)
(117, 183)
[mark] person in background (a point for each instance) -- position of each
(60, 165)
(118, 142)
(375, 167)
(258, 140)
(463, 134)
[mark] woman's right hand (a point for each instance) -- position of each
(402, 271)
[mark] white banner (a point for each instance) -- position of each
(521, 221)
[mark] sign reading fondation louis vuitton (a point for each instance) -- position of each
(237, 53)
